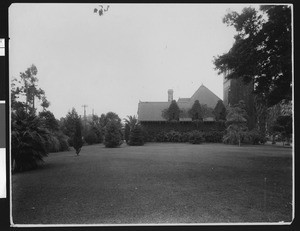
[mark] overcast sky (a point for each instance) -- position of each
(133, 52)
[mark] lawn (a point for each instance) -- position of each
(157, 183)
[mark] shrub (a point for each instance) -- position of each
(52, 144)
(185, 137)
(113, 136)
(29, 139)
(127, 132)
(136, 137)
(230, 138)
(63, 141)
(91, 137)
(196, 137)
(213, 136)
(254, 137)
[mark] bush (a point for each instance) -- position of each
(91, 137)
(29, 138)
(230, 138)
(254, 137)
(63, 141)
(196, 137)
(113, 136)
(52, 144)
(136, 137)
(213, 136)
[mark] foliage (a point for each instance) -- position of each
(172, 113)
(130, 123)
(91, 137)
(158, 132)
(113, 136)
(207, 111)
(49, 120)
(254, 137)
(77, 137)
(52, 144)
(127, 132)
(236, 123)
(213, 136)
(68, 124)
(262, 51)
(196, 137)
(136, 137)
(196, 111)
(63, 141)
(284, 126)
(219, 111)
(26, 87)
(29, 138)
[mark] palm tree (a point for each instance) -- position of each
(132, 121)
(29, 137)
(130, 124)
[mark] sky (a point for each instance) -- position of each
(134, 52)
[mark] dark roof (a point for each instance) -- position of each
(152, 111)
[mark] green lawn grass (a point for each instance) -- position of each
(157, 183)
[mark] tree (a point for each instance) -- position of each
(130, 124)
(236, 123)
(136, 137)
(196, 112)
(127, 132)
(220, 111)
(261, 52)
(284, 126)
(77, 137)
(172, 113)
(49, 120)
(69, 123)
(113, 136)
(29, 138)
(110, 117)
(26, 87)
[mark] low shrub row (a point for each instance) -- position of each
(57, 142)
(193, 137)
(247, 137)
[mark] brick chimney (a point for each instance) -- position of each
(170, 95)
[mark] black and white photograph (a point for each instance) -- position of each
(151, 114)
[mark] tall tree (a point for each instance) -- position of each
(196, 112)
(220, 111)
(261, 52)
(29, 138)
(69, 123)
(77, 137)
(236, 122)
(26, 87)
(172, 113)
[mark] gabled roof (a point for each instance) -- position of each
(152, 111)
(205, 96)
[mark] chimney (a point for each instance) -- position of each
(170, 95)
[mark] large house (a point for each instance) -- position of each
(153, 111)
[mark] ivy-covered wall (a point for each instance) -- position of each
(151, 129)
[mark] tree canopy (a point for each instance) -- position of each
(261, 52)
(220, 111)
(196, 112)
(173, 112)
(26, 87)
